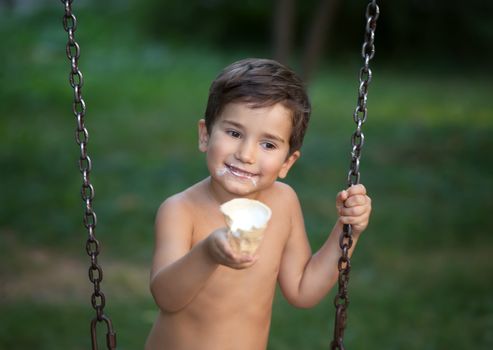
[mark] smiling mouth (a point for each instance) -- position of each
(240, 173)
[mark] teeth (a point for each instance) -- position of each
(239, 172)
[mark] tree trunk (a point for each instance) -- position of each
(283, 29)
(318, 35)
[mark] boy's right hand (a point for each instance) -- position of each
(222, 253)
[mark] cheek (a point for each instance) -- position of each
(217, 149)
(272, 165)
(213, 154)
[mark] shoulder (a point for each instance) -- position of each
(175, 202)
(283, 196)
(284, 191)
(174, 221)
(173, 208)
(181, 205)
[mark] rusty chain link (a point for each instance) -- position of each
(76, 80)
(341, 301)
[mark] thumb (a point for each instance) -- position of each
(341, 198)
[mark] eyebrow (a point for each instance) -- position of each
(267, 135)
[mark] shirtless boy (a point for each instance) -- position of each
(211, 298)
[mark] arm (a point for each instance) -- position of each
(180, 271)
(306, 279)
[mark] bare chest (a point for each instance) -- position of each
(254, 283)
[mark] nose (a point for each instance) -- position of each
(246, 152)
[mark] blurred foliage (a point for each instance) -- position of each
(450, 30)
(227, 24)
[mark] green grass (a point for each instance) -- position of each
(421, 274)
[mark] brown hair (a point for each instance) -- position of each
(261, 83)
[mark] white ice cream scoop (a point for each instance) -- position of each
(247, 220)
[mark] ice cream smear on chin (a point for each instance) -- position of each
(221, 171)
(247, 220)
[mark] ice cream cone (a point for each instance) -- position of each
(247, 220)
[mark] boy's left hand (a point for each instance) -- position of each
(354, 208)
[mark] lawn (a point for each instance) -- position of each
(422, 274)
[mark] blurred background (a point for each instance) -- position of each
(422, 274)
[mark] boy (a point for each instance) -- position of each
(210, 297)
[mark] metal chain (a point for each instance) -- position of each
(341, 301)
(76, 80)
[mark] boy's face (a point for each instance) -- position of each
(247, 148)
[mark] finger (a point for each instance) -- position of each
(355, 220)
(356, 200)
(341, 198)
(235, 257)
(356, 189)
(224, 252)
(223, 257)
(244, 262)
(242, 258)
(241, 266)
(353, 211)
(229, 254)
(348, 220)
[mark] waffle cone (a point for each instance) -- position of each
(247, 220)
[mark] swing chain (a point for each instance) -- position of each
(360, 114)
(76, 80)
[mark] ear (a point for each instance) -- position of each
(203, 136)
(288, 163)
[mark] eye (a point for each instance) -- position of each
(233, 133)
(268, 145)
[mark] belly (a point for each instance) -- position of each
(229, 313)
(181, 331)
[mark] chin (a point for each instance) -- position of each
(240, 192)
(241, 189)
